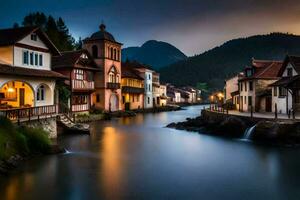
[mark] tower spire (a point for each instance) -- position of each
(102, 26)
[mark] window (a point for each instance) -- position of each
(250, 100)
(118, 55)
(282, 92)
(78, 74)
(241, 86)
(25, 57)
(245, 86)
(79, 99)
(36, 57)
(31, 58)
(149, 87)
(34, 37)
(250, 85)
(41, 60)
(149, 77)
(245, 100)
(289, 72)
(111, 53)
(97, 98)
(148, 100)
(275, 91)
(95, 51)
(40, 95)
(115, 54)
(248, 72)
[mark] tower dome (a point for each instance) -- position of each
(102, 34)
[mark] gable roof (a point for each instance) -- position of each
(265, 69)
(73, 59)
(14, 35)
(21, 71)
(295, 62)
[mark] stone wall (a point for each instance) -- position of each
(48, 124)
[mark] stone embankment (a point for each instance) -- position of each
(266, 131)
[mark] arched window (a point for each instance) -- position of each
(115, 54)
(40, 94)
(95, 51)
(118, 55)
(113, 75)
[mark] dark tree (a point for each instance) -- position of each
(56, 30)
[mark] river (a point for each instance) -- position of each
(138, 158)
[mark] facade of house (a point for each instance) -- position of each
(254, 90)
(173, 94)
(155, 89)
(286, 91)
(163, 94)
(231, 90)
(79, 67)
(26, 77)
(106, 52)
(132, 85)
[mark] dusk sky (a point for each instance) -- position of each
(193, 26)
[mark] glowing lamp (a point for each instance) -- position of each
(10, 90)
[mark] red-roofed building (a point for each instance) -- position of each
(80, 69)
(254, 90)
(286, 91)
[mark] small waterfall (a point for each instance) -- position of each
(67, 152)
(248, 132)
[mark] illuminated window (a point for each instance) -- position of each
(78, 74)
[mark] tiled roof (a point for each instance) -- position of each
(264, 69)
(13, 35)
(295, 62)
(71, 58)
(21, 71)
(128, 72)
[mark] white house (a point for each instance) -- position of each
(163, 94)
(26, 78)
(254, 90)
(147, 74)
(231, 90)
(285, 92)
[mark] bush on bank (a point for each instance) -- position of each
(21, 140)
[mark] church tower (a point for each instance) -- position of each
(106, 52)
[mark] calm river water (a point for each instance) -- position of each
(137, 158)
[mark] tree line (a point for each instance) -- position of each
(56, 29)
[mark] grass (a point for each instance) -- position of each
(21, 140)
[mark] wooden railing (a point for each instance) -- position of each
(83, 85)
(80, 107)
(26, 114)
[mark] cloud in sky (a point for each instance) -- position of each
(192, 25)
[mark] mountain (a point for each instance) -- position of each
(217, 64)
(155, 53)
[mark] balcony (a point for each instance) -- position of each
(113, 86)
(83, 85)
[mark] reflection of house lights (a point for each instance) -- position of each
(10, 90)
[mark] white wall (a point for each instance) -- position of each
(231, 85)
(18, 59)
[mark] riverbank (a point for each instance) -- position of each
(85, 118)
(19, 143)
(259, 130)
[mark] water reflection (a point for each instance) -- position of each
(136, 158)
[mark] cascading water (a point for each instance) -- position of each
(248, 132)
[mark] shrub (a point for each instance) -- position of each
(37, 139)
